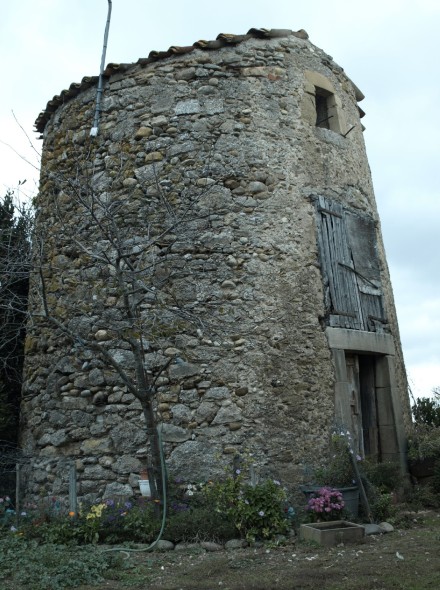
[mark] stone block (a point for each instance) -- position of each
(126, 436)
(332, 533)
(173, 433)
(96, 446)
(228, 414)
(217, 394)
(182, 370)
(117, 490)
(206, 411)
(126, 464)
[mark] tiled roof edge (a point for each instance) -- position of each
(223, 40)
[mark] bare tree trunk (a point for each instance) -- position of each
(154, 469)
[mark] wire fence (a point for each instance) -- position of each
(15, 469)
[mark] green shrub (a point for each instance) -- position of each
(337, 472)
(427, 411)
(382, 507)
(386, 476)
(423, 496)
(214, 511)
(109, 521)
(424, 442)
(200, 523)
(436, 479)
(256, 511)
(59, 531)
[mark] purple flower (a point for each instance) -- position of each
(261, 513)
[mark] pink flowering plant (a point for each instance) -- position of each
(325, 504)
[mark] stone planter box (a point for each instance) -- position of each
(332, 533)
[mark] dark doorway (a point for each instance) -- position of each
(361, 369)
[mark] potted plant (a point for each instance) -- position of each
(325, 504)
(325, 509)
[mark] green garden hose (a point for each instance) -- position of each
(164, 505)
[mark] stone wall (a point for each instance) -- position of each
(232, 130)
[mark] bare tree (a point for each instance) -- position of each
(15, 225)
(110, 267)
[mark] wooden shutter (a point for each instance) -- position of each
(361, 231)
(350, 269)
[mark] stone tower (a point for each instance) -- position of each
(236, 170)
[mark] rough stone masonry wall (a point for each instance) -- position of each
(261, 382)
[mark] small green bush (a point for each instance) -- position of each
(423, 496)
(424, 442)
(256, 511)
(382, 507)
(200, 523)
(386, 476)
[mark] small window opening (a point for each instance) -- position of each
(321, 106)
(322, 109)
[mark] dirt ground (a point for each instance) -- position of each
(408, 558)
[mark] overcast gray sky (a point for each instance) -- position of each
(390, 49)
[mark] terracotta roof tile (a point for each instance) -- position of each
(223, 40)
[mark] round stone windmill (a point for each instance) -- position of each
(220, 234)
